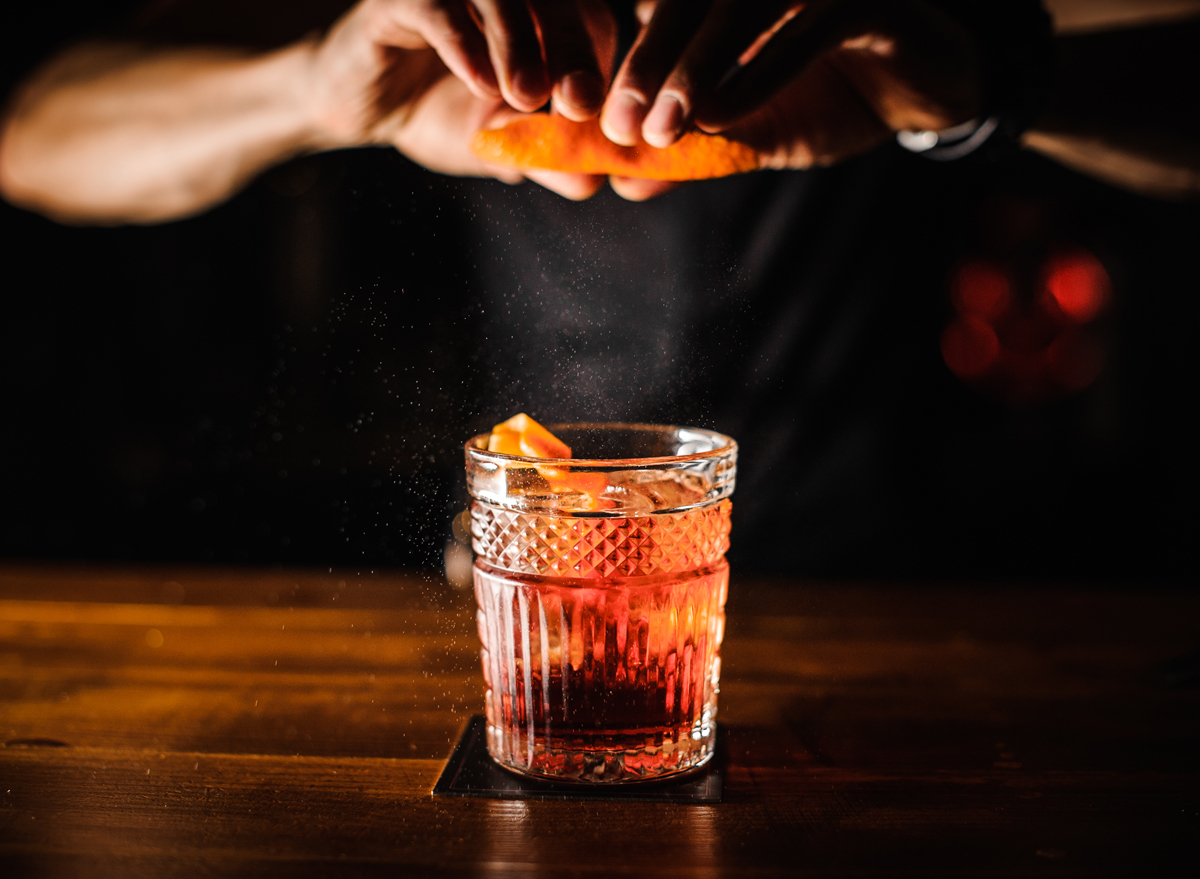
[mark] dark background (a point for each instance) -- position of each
(289, 377)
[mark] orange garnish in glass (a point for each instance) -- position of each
(521, 435)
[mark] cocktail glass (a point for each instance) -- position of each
(601, 584)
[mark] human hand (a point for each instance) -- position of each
(803, 83)
(423, 76)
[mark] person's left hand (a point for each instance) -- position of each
(424, 77)
(803, 83)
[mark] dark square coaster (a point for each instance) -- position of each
(470, 772)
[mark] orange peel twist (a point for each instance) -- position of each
(554, 143)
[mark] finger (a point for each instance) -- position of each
(727, 33)
(602, 28)
(651, 58)
(515, 51)
(448, 28)
(817, 28)
(576, 187)
(577, 86)
(639, 189)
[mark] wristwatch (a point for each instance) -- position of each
(950, 143)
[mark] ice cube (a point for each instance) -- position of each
(655, 490)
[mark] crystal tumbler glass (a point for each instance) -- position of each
(601, 584)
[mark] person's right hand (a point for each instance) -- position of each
(804, 83)
(424, 76)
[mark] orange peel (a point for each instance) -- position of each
(521, 435)
(554, 143)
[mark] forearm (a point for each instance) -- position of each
(1165, 170)
(123, 133)
(1123, 109)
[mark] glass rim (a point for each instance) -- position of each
(476, 447)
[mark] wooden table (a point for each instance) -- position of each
(242, 722)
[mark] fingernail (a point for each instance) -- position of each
(661, 128)
(529, 88)
(583, 90)
(622, 118)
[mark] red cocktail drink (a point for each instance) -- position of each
(601, 612)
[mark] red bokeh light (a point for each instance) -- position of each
(981, 289)
(1023, 334)
(1078, 285)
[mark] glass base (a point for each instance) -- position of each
(590, 762)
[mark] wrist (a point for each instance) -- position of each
(1015, 42)
(319, 125)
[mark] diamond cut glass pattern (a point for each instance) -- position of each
(554, 546)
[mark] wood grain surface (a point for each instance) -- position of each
(197, 722)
